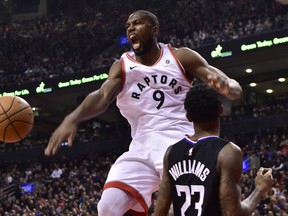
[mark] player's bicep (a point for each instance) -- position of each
(97, 101)
(193, 63)
(112, 86)
(230, 166)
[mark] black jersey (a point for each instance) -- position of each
(194, 178)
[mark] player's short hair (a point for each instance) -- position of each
(152, 18)
(202, 103)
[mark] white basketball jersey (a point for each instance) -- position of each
(152, 98)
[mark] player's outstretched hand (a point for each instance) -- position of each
(65, 132)
(264, 180)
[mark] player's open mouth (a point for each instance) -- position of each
(134, 41)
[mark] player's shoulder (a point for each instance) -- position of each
(231, 147)
(229, 153)
(168, 151)
(181, 49)
(115, 69)
(185, 53)
(116, 65)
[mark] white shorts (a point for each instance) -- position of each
(139, 171)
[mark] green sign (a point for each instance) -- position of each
(218, 52)
(16, 93)
(41, 87)
(82, 80)
(264, 43)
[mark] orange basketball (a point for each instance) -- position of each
(16, 119)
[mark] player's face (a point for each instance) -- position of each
(139, 33)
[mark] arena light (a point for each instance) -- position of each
(253, 84)
(249, 70)
(281, 79)
(269, 91)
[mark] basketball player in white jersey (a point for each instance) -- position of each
(150, 84)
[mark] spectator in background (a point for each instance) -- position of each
(57, 172)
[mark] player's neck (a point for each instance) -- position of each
(151, 56)
(206, 129)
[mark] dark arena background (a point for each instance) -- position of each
(54, 52)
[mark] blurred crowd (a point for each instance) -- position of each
(272, 106)
(81, 36)
(68, 186)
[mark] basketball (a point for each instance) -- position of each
(16, 119)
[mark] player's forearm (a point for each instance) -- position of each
(251, 202)
(164, 198)
(231, 204)
(243, 208)
(162, 206)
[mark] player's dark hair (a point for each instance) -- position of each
(202, 103)
(152, 18)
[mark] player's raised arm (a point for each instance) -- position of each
(93, 105)
(196, 66)
(229, 166)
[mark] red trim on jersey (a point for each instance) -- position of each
(131, 58)
(179, 64)
(123, 75)
(129, 189)
(160, 56)
(135, 213)
(134, 60)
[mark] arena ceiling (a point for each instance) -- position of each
(267, 67)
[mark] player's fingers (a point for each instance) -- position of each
(260, 171)
(71, 137)
(268, 171)
(56, 145)
(70, 140)
(209, 76)
(214, 80)
(215, 85)
(46, 151)
(48, 148)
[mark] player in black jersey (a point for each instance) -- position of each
(202, 172)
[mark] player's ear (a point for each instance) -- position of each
(155, 30)
(188, 117)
